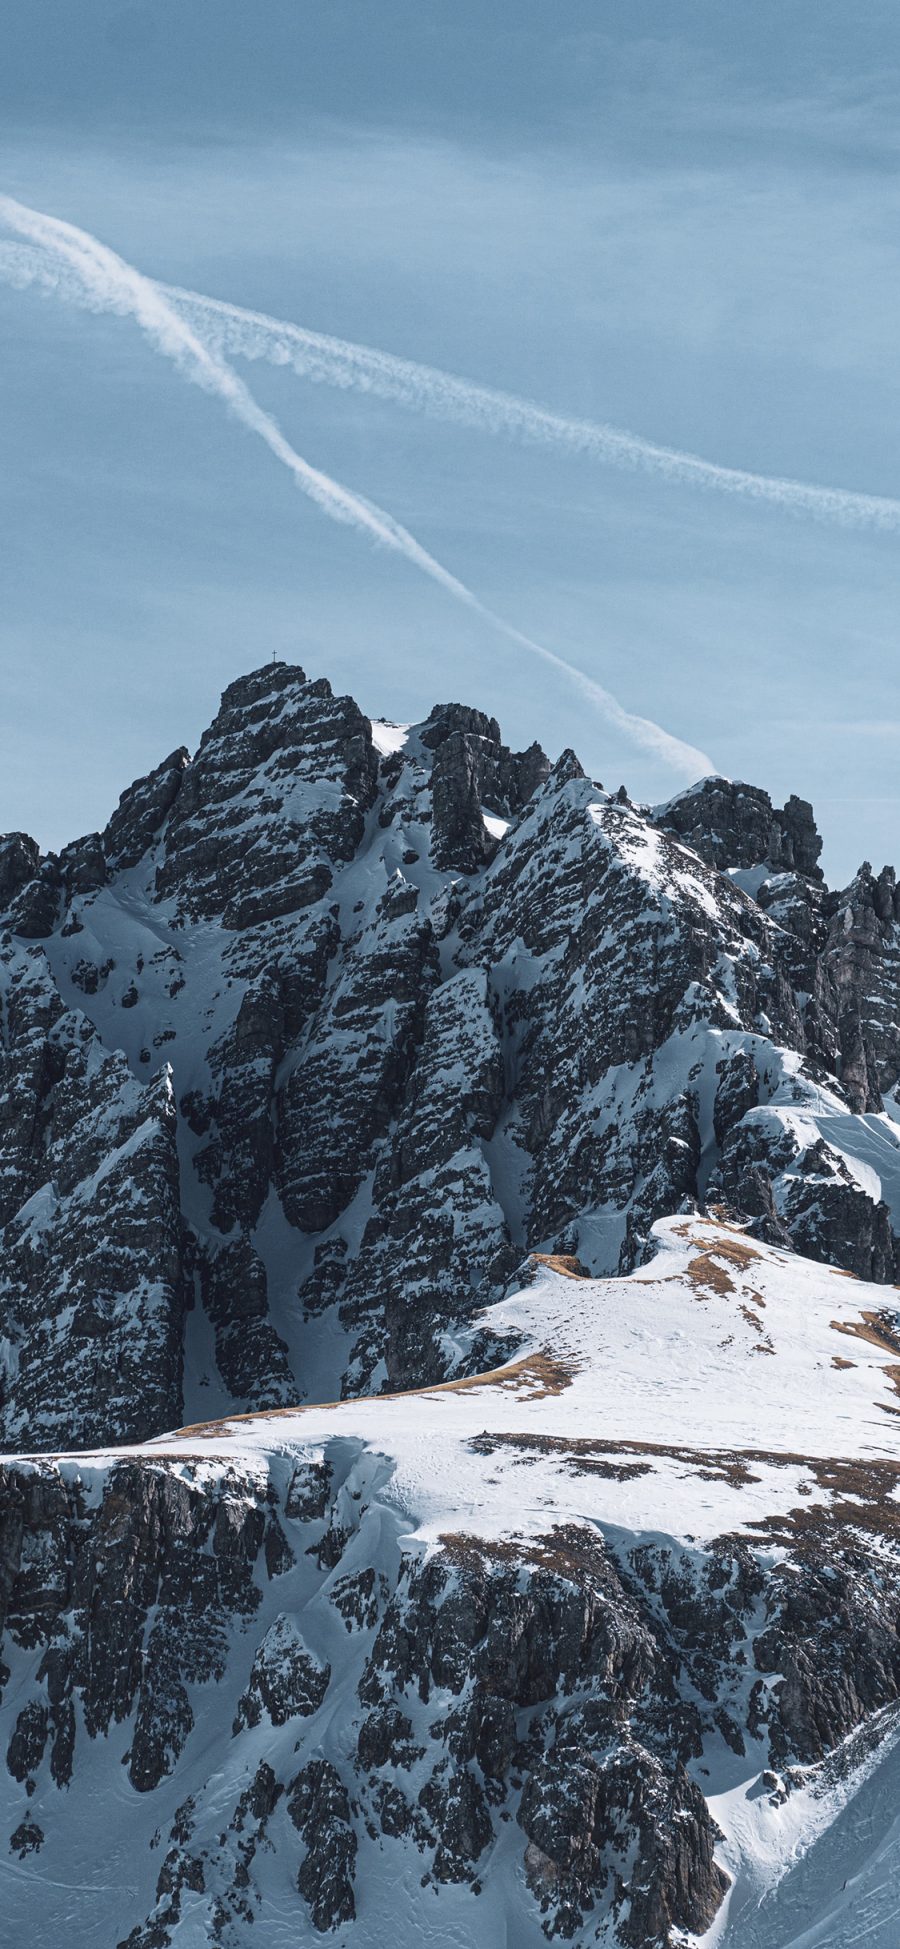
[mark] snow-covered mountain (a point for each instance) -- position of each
(535, 1134)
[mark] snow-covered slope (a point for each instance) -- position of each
(600, 1644)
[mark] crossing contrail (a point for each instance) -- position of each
(98, 277)
(446, 396)
(348, 366)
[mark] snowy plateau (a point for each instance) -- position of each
(450, 1359)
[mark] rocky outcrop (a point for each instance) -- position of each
(611, 1827)
(438, 1243)
(251, 1357)
(286, 1681)
(124, 1605)
(276, 793)
(319, 1807)
(19, 862)
(861, 965)
(91, 1280)
(300, 1060)
(732, 825)
(354, 1065)
(473, 773)
(562, 1694)
(142, 812)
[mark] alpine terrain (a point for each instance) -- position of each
(450, 1359)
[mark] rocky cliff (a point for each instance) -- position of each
(591, 1647)
(335, 1023)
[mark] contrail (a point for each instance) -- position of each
(444, 395)
(342, 363)
(105, 282)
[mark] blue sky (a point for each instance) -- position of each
(680, 220)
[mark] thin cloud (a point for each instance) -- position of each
(349, 366)
(76, 265)
(444, 395)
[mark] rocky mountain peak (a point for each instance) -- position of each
(444, 720)
(275, 794)
(19, 861)
(735, 826)
(429, 1004)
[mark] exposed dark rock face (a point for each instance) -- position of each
(123, 1605)
(569, 1690)
(473, 772)
(861, 964)
(320, 1810)
(285, 1681)
(735, 825)
(276, 794)
(34, 908)
(356, 1059)
(20, 859)
(83, 865)
(142, 811)
(581, 1815)
(433, 1186)
(603, 1759)
(250, 1356)
(90, 1282)
(828, 1216)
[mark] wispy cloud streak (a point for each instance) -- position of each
(344, 364)
(444, 395)
(76, 266)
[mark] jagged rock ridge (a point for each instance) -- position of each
(335, 1023)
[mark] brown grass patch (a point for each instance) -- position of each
(862, 1495)
(569, 1550)
(540, 1373)
(710, 1275)
(471, 1552)
(862, 1501)
(877, 1328)
(879, 1331)
(533, 1377)
(564, 1262)
(730, 1244)
(713, 1465)
(611, 1471)
(736, 1251)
